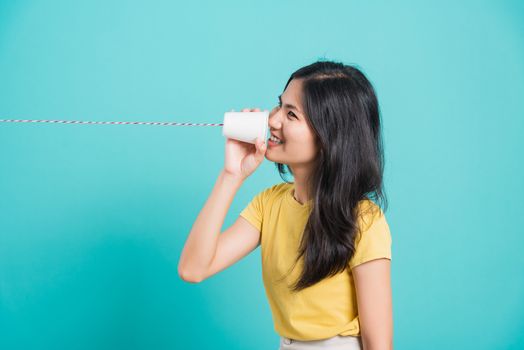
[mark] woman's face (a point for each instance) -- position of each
(289, 123)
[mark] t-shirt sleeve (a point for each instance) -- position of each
(373, 242)
(254, 211)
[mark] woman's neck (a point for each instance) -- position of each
(301, 190)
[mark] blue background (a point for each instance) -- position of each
(93, 218)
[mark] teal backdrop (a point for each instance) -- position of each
(93, 218)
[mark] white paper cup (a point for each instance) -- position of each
(246, 126)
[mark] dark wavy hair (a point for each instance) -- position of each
(342, 109)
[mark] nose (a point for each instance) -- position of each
(274, 119)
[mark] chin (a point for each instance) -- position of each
(273, 159)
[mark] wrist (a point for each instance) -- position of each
(231, 178)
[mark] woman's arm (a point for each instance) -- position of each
(200, 250)
(375, 310)
(201, 245)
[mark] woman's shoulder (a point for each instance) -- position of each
(269, 194)
(277, 189)
(367, 205)
(368, 213)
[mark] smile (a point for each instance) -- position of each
(275, 140)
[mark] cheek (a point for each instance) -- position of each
(302, 139)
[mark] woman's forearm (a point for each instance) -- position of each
(200, 246)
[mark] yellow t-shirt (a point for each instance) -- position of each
(329, 307)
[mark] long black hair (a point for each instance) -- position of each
(342, 109)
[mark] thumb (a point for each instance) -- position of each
(261, 148)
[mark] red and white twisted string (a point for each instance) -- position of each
(102, 122)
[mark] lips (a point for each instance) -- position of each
(278, 138)
(275, 140)
(272, 143)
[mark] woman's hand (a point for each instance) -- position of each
(243, 158)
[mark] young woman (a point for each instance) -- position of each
(325, 243)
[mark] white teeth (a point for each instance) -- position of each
(273, 138)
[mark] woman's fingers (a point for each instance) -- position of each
(261, 148)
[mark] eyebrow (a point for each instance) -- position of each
(287, 105)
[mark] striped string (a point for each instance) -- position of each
(102, 122)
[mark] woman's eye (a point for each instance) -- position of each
(289, 113)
